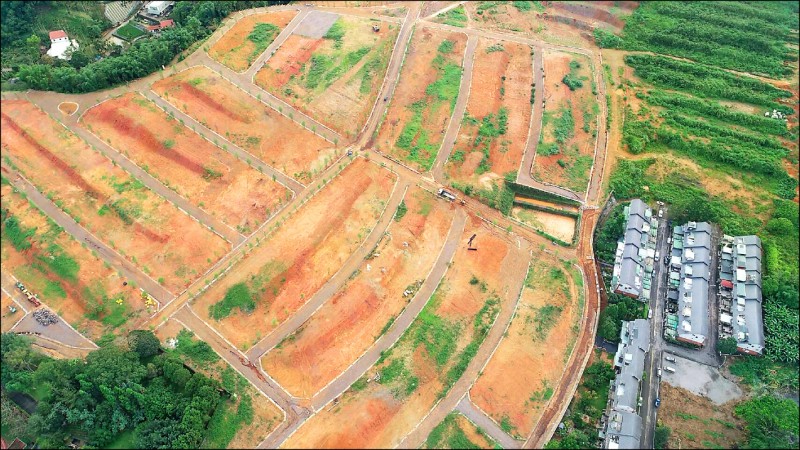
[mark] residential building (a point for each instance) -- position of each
(157, 7)
(741, 314)
(61, 46)
(622, 424)
(634, 259)
(687, 318)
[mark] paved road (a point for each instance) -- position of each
(392, 74)
(216, 225)
(403, 321)
(276, 44)
(287, 181)
(335, 283)
(658, 297)
(458, 113)
(509, 299)
(80, 234)
(468, 409)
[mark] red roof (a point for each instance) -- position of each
(153, 27)
(167, 23)
(17, 444)
(58, 34)
(727, 284)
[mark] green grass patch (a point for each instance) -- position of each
(225, 422)
(195, 349)
(402, 209)
(53, 289)
(237, 296)
(129, 32)
(456, 17)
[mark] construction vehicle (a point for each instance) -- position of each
(376, 28)
(148, 300)
(446, 194)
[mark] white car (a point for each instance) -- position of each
(659, 372)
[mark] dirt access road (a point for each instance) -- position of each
(555, 408)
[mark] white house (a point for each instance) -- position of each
(60, 45)
(156, 8)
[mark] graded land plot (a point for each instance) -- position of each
(336, 78)
(698, 422)
(455, 17)
(208, 176)
(245, 41)
(224, 108)
(288, 268)
(350, 322)
(525, 18)
(495, 126)
(164, 242)
(242, 420)
(565, 152)
(424, 99)
(527, 366)
(556, 225)
(67, 277)
(456, 431)
(430, 356)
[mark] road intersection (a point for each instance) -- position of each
(297, 411)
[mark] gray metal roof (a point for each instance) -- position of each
(693, 320)
(629, 268)
(624, 426)
(624, 430)
(748, 324)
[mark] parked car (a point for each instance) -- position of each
(669, 369)
(670, 359)
(659, 372)
(658, 402)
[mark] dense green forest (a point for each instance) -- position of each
(743, 36)
(195, 21)
(127, 393)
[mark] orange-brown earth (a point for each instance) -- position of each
(501, 81)
(68, 108)
(414, 372)
(568, 166)
(348, 324)
(418, 72)
(248, 123)
(235, 50)
(343, 101)
(208, 176)
(84, 296)
(505, 18)
(303, 253)
(527, 366)
(155, 235)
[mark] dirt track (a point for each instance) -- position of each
(297, 413)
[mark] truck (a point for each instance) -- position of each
(444, 193)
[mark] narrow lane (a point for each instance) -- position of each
(458, 113)
(473, 413)
(82, 235)
(392, 74)
(210, 135)
(212, 223)
(250, 73)
(461, 387)
(335, 283)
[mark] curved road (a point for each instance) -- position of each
(458, 112)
